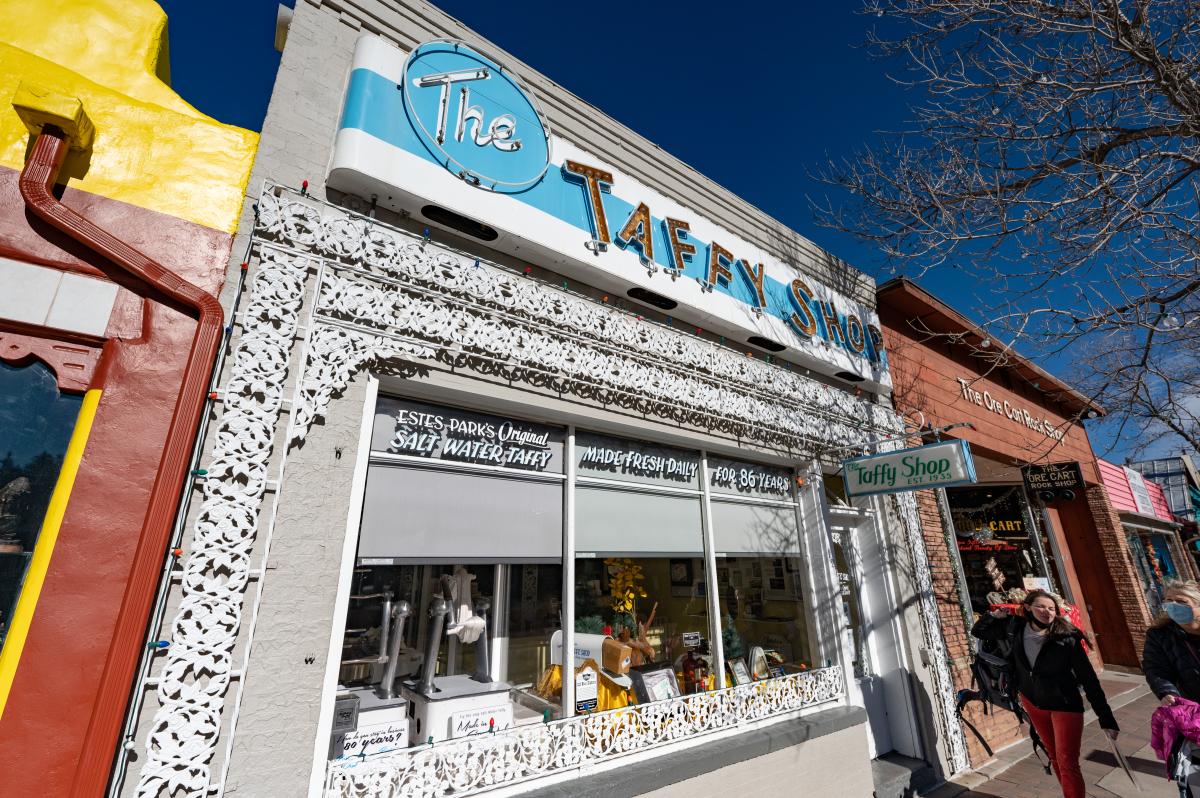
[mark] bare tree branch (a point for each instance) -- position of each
(1057, 157)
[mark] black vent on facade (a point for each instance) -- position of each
(651, 298)
(456, 221)
(765, 343)
(849, 376)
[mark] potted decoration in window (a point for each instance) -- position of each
(626, 586)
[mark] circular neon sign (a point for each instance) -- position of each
(475, 117)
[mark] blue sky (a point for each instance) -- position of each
(799, 87)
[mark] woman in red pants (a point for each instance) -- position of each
(1050, 668)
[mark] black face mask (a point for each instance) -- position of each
(1038, 624)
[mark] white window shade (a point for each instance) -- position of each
(615, 522)
(432, 515)
(742, 528)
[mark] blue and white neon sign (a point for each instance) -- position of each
(437, 125)
(467, 110)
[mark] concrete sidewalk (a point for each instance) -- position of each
(1016, 774)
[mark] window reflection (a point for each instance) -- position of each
(656, 611)
(36, 422)
(764, 630)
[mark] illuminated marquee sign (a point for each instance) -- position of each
(447, 128)
(465, 108)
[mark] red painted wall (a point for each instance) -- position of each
(56, 680)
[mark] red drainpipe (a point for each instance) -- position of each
(41, 171)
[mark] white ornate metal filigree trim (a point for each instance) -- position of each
(387, 301)
(931, 624)
(395, 291)
(199, 663)
(466, 766)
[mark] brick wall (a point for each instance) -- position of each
(1124, 589)
(998, 727)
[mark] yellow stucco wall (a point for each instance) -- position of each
(151, 149)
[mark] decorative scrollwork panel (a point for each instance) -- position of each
(474, 764)
(199, 663)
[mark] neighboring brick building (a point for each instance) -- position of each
(985, 539)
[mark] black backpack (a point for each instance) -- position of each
(996, 686)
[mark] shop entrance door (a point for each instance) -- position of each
(872, 632)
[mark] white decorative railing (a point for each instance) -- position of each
(488, 761)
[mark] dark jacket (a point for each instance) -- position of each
(1171, 662)
(1061, 671)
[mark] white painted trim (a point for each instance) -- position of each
(825, 562)
(568, 581)
(909, 713)
(641, 487)
(341, 603)
(727, 498)
(296, 359)
(715, 632)
(434, 759)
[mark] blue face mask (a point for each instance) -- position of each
(1179, 613)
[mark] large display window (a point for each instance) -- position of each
(455, 618)
(999, 550)
(639, 572)
(458, 586)
(1154, 563)
(759, 578)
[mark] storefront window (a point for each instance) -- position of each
(639, 576)
(1150, 576)
(842, 559)
(461, 536)
(760, 587)
(998, 552)
(463, 522)
(1162, 553)
(36, 422)
(534, 615)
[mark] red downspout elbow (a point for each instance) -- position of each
(108, 712)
